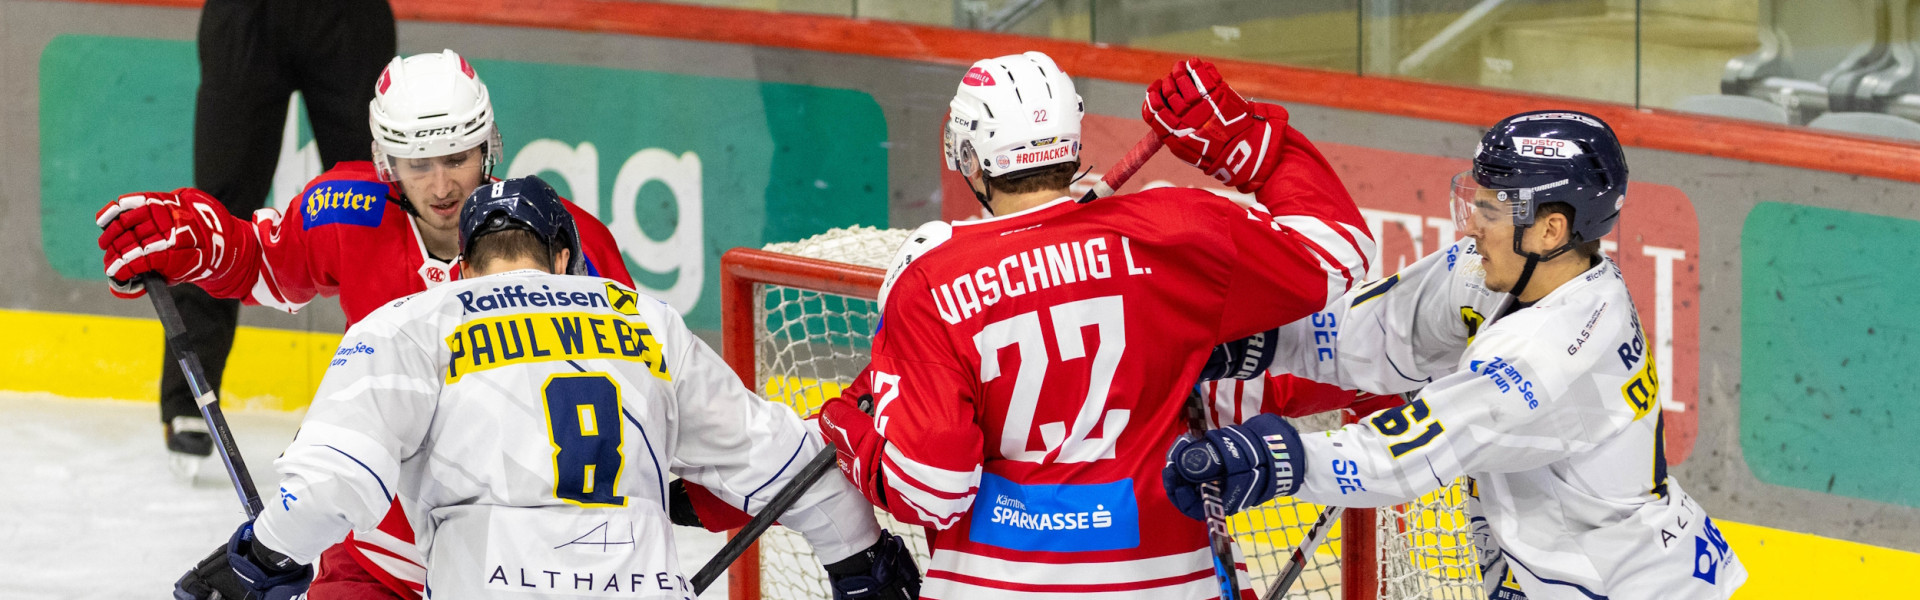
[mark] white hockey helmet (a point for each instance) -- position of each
(1013, 113)
(429, 105)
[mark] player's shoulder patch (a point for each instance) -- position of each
(918, 244)
(344, 202)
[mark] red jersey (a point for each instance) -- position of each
(343, 237)
(1031, 372)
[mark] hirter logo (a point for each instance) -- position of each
(466, 68)
(977, 77)
(385, 81)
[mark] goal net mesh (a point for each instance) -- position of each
(809, 344)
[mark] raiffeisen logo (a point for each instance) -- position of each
(516, 296)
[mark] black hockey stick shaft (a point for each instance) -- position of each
(820, 465)
(1297, 563)
(1219, 537)
(203, 394)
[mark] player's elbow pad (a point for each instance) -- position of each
(1244, 358)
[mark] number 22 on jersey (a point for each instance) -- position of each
(1064, 443)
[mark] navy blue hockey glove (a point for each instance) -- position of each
(1244, 358)
(1260, 460)
(244, 570)
(884, 571)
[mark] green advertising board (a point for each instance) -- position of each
(680, 167)
(1827, 351)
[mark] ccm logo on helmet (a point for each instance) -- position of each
(434, 131)
(1546, 148)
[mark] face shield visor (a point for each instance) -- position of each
(1477, 208)
(463, 166)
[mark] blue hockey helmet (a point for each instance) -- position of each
(525, 203)
(1542, 157)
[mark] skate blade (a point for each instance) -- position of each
(186, 467)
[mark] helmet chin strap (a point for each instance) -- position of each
(1533, 259)
(986, 198)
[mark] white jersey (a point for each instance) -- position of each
(1550, 409)
(534, 420)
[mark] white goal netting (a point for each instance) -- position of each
(809, 344)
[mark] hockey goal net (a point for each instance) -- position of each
(797, 321)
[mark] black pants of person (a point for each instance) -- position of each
(253, 55)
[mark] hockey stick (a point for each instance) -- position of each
(1298, 562)
(1124, 170)
(1218, 536)
(802, 481)
(202, 395)
(1115, 177)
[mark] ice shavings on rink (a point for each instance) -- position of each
(88, 508)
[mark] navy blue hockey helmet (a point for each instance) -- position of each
(528, 204)
(1542, 157)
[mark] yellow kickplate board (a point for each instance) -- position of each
(90, 356)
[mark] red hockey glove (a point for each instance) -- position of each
(856, 444)
(1244, 154)
(1208, 125)
(184, 235)
(1187, 99)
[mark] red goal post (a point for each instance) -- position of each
(741, 269)
(1429, 556)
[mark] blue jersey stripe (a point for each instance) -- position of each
(376, 476)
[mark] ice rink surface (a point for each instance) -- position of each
(89, 509)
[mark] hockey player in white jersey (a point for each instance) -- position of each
(535, 417)
(1534, 378)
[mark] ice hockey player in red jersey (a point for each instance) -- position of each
(367, 232)
(1030, 370)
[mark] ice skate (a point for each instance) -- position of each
(189, 443)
